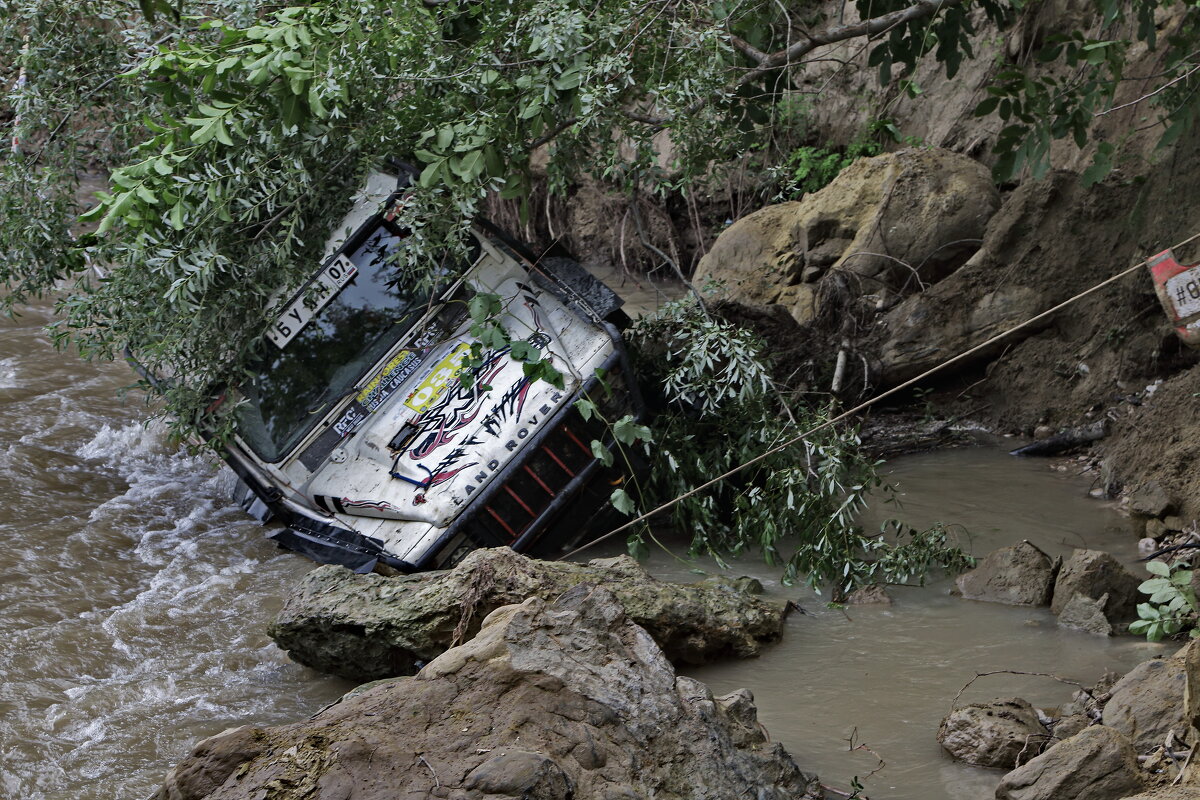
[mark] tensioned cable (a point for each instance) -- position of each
(869, 403)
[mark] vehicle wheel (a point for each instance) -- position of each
(575, 286)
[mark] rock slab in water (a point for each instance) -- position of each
(366, 627)
(1097, 764)
(1093, 574)
(1087, 615)
(559, 700)
(1002, 733)
(1149, 701)
(1021, 575)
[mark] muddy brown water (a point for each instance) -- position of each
(135, 600)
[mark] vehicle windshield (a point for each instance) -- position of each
(296, 385)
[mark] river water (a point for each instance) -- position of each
(135, 600)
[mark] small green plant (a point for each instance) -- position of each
(922, 395)
(1172, 607)
(810, 169)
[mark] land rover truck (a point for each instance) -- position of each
(377, 431)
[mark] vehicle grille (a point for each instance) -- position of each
(528, 491)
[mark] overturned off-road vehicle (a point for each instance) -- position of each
(378, 431)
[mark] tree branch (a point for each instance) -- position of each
(921, 9)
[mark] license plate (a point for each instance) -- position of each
(308, 303)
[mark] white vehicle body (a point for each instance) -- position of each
(411, 447)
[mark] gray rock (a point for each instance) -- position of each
(1148, 702)
(873, 595)
(1021, 575)
(1094, 574)
(212, 762)
(1068, 726)
(1002, 733)
(1085, 614)
(1169, 793)
(1096, 764)
(1151, 500)
(1156, 529)
(365, 627)
(927, 208)
(551, 700)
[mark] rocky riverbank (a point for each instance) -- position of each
(550, 700)
(1122, 738)
(365, 627)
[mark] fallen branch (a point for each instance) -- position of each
(978, 675)
(1053, 445)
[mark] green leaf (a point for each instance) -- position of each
(484, 305)
(470, 166)
(987, 106)
(429, 175)
(622, 502)
(586, 408)
(1158, 568)
(627, 431)
(207, 131)
(602, 453)
(524, 351)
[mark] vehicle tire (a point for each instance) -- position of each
(575, 286)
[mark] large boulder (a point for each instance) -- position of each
(1093, 574)
(1097, 764)
(1021, 575)
(1149, 701)
(1002, 733)
(550, 701)
(365, 627)
(896, 221)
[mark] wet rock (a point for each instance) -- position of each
(562, 699)
(365, 627)
(1087, 615)
(1148, 702)
(873, 595)
(1002, 733)
(1152, 500)
(1097, 764)
(926, 209)
(1068, 726)
(211, 763)
(1156, 528)
(1168, 793)
(1094, 574)
(1021, 575)
(1190, 656)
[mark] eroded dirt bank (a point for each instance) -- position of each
(911, 258)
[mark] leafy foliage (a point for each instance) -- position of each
(1172, 605)
(233, 132)
(798, 506)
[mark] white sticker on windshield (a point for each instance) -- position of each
(310, 301)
